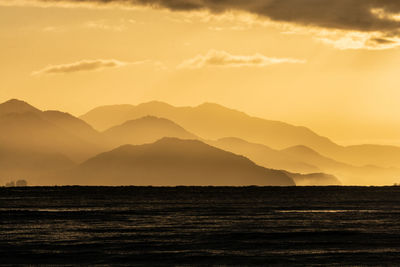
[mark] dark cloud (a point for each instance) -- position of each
(354, 15)
(374, 17)
(382, 41)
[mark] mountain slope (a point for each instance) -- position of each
(264, 156)
(146, 130)
(170, 162)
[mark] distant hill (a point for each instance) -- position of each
(171, 162)
(313, 157)
(264, 156)
(212, 121)
(349, 174)
(25, 128)
(367, 154)
(146, 130)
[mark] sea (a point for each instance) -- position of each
(200, 226)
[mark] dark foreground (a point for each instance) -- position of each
(200, 226)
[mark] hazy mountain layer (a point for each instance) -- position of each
(264, 156)
(347, 173)
(39, 142)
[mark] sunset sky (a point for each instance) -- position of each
(329, 65)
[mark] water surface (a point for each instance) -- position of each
(200, 225)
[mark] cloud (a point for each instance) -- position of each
(83, 65)
(224, 59)
(356, 40)
(361, 15)
(379, 17)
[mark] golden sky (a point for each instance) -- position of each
(330, 67)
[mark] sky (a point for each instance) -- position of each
(330, 65)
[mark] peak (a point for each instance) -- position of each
(151, 118)
(14, 100)
(16, 106)
(155, 103)
(148, 120)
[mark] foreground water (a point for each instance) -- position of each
(200, 225)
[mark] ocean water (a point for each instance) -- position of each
(188, 226)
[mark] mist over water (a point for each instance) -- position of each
(200, 225)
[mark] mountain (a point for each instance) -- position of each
(263, 155)
(349, 174)
(171, 162)
(146, 130)
(311, 156)
(25, 128)
(212, 121)
(309, 175)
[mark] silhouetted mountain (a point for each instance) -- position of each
(263, 155)
(212, 121)
(25, 128)
(146, 130)
(170, 162)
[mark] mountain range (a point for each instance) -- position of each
(158, 144)
(213, 121)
